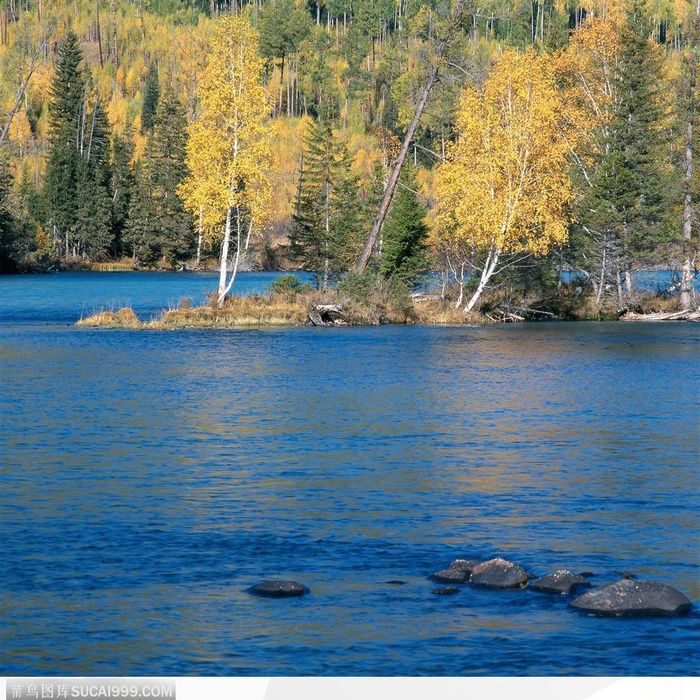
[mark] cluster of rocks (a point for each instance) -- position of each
(627, 597)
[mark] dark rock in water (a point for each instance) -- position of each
(498, 573)
(450, 576)
(278, 589)
(447, 590)
(631, 598)
(586, 574)
(457, 572)
(629, 575)
(560, 582)
(463, 565)
(395, 583)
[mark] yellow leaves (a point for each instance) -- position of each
(505, 185)
(228, 151)
(21, 131)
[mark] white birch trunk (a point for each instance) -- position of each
(223, 262)
(200, 236)
(486, 274)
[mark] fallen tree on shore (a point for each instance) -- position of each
(686, 315)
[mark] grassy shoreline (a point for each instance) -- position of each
(278, 309)
(284, 309)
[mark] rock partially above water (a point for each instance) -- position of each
(498, 573)
(278, 589)
(450, 576)
(463, 565)
(561, 582)
(631, 598)
(457, 572)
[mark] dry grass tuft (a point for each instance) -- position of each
(255, 310)
(436, 312)
(123, 318)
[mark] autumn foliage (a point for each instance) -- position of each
(505, 188)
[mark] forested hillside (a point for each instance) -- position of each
(503, 142)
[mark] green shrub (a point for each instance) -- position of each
(289, 285)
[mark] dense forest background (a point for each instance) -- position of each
(98, 99)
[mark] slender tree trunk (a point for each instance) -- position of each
(560, 280)
(200, 236)
(113, 17)
(20, 94)
(223, 262)
(396, 172)
(326, 261)
(686, 293)
(618, 277)
(601, 286)
(99, 33)
(486, 274)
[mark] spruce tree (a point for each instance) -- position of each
(150, 97)
(158, 225)
(141, 233)
(94, 229)
(122, 186)
(625, 213)
(66, 104)
(168, 159)
(331, 217)
(404, 234)
(310, 234)
(8, 233)
(348, 226)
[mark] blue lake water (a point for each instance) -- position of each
(149, 478)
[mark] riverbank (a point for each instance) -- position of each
(279, 309)
(333, 309)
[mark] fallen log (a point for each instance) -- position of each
(687, 315)
(327, 315)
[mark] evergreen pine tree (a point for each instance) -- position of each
(310, 234)
(8, 234)
(122, 186)
(158, 225)
(330, 219)
(625, 213)
(66, 101)
(348, 226)
(94, 229)
(150, 97)
(168, 159)
(404, 234)
(18, 230)
(141, 234)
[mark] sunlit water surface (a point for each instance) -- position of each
(149, 478)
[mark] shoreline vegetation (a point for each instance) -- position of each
(505, 157)
(290, 303)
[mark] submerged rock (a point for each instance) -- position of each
(632, 598)
(278, 589)
(498, 573)
(561, 582)
(447, 590)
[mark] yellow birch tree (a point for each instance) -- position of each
(228, 150)
(504, 191)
